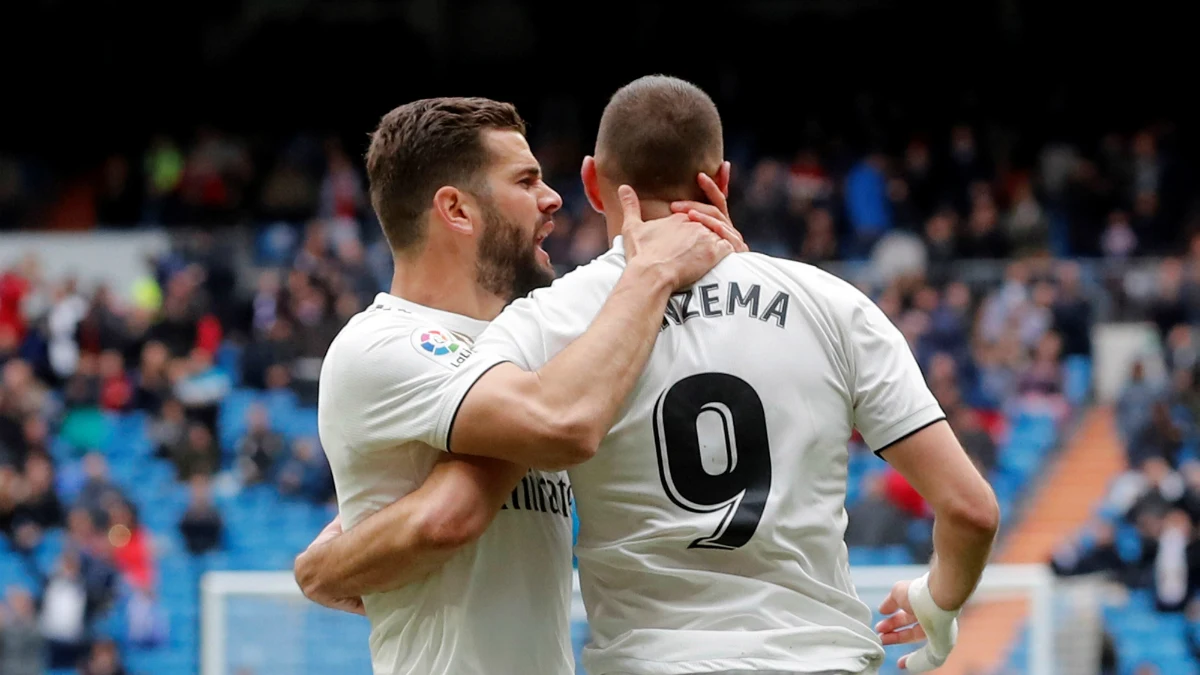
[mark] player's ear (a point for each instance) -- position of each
(591, 183)
(452, 208)
(722, 178)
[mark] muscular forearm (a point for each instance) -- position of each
(592, 377)
(383, 552)
(412, 537)
(556, 417)
(962, 545)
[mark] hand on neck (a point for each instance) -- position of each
(652, 209)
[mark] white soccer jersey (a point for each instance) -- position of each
(390, 386)
(712, 517)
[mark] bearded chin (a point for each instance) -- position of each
(508, 266)
(529, 276)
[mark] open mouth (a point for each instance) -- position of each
(540, 252)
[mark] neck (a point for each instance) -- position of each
(615, 216)
(447, 285)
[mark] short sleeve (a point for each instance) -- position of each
(890, 397)
(395, 384)
(533, 330)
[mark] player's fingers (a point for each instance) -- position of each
(688, 205)
(902, 637)
(721, 228)
(895, 622)
(630, 205)
(713, 192)
(890, 604)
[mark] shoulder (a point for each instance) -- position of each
(385, 341)
(571, 291)
(822, 290)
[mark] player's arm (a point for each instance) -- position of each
(410, 538)
(965, 513)
(555, 416)
(901, 421)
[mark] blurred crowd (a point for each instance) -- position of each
(1145, 533)
(70, 356)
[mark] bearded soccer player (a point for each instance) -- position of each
(463, 206)
(712, 515)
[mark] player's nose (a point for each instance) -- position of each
(550, 201)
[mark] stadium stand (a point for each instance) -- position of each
(146, 441)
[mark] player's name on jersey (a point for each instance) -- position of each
(537, 492)
(727, 299)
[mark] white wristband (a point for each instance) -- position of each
(941, 626)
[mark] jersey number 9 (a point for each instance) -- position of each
(710, 431)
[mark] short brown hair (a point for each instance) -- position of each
(422, 146)
(656, 134)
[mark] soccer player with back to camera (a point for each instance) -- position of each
(712, 514)
(463, 206)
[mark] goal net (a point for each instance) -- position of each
(1021, 620)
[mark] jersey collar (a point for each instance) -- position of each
(456, 322)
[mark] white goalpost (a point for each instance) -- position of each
(258, 623)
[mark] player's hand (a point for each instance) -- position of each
(903, 627)
(715, 214)
(681, 249)
(351, 605)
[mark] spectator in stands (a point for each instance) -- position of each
(1044, 376)
(202, 525)
(1160, 437)
(306, 473)
(1181, 349)
(876, 520)
(83, 387)
(983, 238)
(867, 207)
(197, 454)
(103, 659)
(9, 494)
(1134, 403)
(1072, 312)
(68, 309)
(26, 395)
(277, 348)
(259, 449)
(116, 388)
(820, 238)
(167, 429)
(976, 441)
(65, 613)
(1169, 308)
(132, 546)
(21, 643)
(36, 435)
(89, 544)
(200, 385)
(151, 384)
(39, 509)
(98, 489)
(1174, 582)
(1098, 551)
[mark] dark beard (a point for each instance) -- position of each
(508, 265)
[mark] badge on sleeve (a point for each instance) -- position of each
(441, 346)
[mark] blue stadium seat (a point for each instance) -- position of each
(1077, 378)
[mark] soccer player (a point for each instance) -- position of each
(463, 206)
(712, 515)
